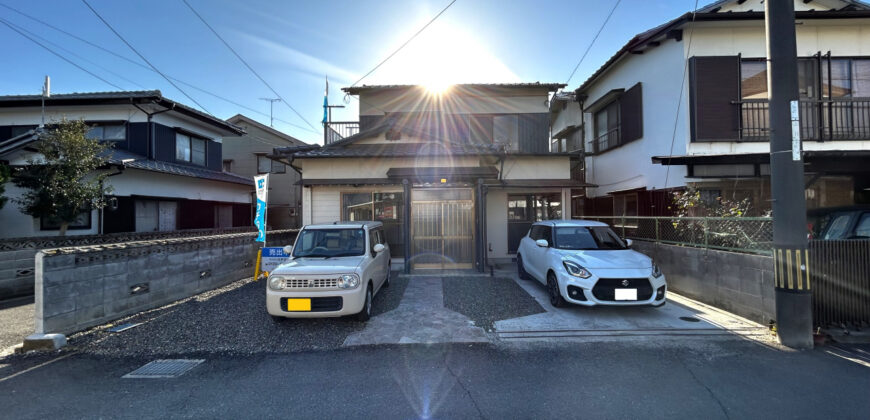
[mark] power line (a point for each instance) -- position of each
(589, 47)
(246, 63)
(3, 21)
(403, 45)
(129, 60)
(143, 57)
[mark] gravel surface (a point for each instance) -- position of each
(488, 299)
(16, 322)
(231, 320)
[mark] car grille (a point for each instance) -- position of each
(322, 304)
(603, 289)
(311, 283)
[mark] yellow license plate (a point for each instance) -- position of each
(299, 305)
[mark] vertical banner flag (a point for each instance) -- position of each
(326, 101)
(262, 184)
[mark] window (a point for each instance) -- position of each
(505, 131)
(586, 238)
(82, 221)
(228, 165)
(607, 127)
(372, 206)
(190, 149)
(318, 243)
(753, 79)
(113, 132)
(266, 165)
(525, 209)
(862, 229)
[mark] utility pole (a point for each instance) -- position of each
(794, 315)
(271, 104)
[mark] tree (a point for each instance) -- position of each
(63, 181)
(721, 223)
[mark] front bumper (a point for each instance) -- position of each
(598, 289)
(324, 302)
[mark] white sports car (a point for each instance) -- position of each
(586, 263)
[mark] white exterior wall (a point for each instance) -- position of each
(16, 224)
(147, 183)
(570, 115)
(325, 200)
(629, 166)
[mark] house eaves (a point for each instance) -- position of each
(551, 87)
(240, 118)
(119, 98)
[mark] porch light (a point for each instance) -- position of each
(443, 180)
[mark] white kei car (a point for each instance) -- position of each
(586, 263)
(333, 270)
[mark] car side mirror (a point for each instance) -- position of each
(288, 249)
(378, 248)
(628, 243)
(542, 243)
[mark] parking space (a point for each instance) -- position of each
(679, 317)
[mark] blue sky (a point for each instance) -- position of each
(293, 44)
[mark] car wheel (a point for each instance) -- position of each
(387, 280)
(366, 311)
(521, 271)
(556, 298)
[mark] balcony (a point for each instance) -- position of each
(334, 131)
(820, 120)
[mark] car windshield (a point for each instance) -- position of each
(330, 243)
(587, 238)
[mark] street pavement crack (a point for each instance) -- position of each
(461, 385)
(709, 391)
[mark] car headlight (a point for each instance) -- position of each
(276, 283)
(348, 281)
(656, 271)
(576, 270)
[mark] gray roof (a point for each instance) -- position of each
(117, 98)
(116, 157)
(549, 86)
(235, 119)
(10, 145)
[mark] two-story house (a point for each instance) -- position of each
(648, 129)
(457, 177)
(247, 155)
(164, 164)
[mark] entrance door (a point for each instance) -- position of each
(442, 228)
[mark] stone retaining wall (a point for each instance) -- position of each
(81, 287)
(738, 283)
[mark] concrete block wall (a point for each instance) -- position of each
(738, 283)
(16, 272)
(77, 288)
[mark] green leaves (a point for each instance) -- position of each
(63, 180)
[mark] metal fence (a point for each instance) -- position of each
(828, 119)
(840, 282)
(739, 234)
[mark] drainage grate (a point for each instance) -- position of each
(165, 368)
(690, 319)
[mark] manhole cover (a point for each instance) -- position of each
(690, 319)
(165, 368)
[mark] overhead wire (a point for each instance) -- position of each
(591, 43)
(105, 22)
(129, 60)
(9, 25)
(246, 63)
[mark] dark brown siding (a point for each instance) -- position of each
(631, 114)
(213, 156)
(137, 138)
(714, 84)
(534, 132)
(242, 215)
(165, 143)
(368, 121)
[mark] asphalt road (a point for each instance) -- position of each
(626, 379)
(16, 321)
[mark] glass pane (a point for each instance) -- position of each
(862, 229)
(388, 206)
(264, 164)
(808, 78)
(753, 80)
(198, 152)
(440, 194)
(839, 81)
(357, 206)
(114, 132)
(278, 167)
(518, 208)
(861, 78)
(182, 147)
(95, 133)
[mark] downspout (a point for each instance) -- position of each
(120, 169)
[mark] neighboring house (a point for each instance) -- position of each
(164, 165)
(248, 156)
(457, 178)
(647, 133)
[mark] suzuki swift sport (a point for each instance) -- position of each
(586, 263)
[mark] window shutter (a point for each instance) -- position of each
(631, 114)
(714, 83)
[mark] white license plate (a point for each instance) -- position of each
(625, 294)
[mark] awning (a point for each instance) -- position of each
(538, 183)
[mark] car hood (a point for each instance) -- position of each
(336, 265)
(621, 258)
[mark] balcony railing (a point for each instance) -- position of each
(605, 141)
(820, 120)
(336, 130)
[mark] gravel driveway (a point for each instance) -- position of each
(488, 299)
(231, 320)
